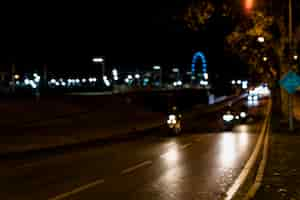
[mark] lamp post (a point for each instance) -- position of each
(160, 73)
(102, 61)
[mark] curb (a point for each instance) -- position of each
(252, 160)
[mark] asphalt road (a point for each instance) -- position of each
(196, 165)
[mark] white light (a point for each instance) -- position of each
(16, 76)
(91, 80)
(98, 60)
(63, 84)
(35, 74)
(265, 58)
(37, 79)
(83, 80)
(239, 82)
(175, 70)
(126, 80)
(172, 117)
(179, 83)
(295, 57)
(243, 114)
(261, 39)
(57, 84)
(156, 67)
(17, 82)
(26, 81)
(33, 85)
(237, 117)
(175, 84)
(233, 82)
(77, 81)
(244, 85)
(115, 72)
(130, 77)
(137, 76)
(116, 78)
(228, 117)
(205, 75)
(53, 81)
(69, 81)
(104, 78)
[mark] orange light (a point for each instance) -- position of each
(248, 5)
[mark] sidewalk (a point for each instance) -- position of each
(282, 176)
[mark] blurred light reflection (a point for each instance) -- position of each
(228, 149)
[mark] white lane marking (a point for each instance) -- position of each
(131, 169)
(77, 190)
(186, 146)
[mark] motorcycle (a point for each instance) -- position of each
(174, 124)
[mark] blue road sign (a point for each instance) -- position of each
(290, 82)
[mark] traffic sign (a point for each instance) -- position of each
(290, 82)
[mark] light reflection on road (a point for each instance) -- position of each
(231, 145)
(172, 154)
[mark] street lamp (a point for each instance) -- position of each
(102, 61)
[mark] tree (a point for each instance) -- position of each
(258, 38)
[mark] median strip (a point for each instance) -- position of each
(131, 169)
(78, 190)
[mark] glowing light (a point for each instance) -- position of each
(295, 57)
(130, 77)
(16, 76)
(199, 55)
(233, 82)
(175, 70)
(265, 59)
(156, 67)
(228, 152)
(261, 39)
(137, 76)
(248, 5)
(77, 81)
(239, 82)
(228, 117)
(98, 60)
(171, 155)
(83, 80)
(205, 75)
(53, 81)
(243, 114)
(27, 81)
(179, 83)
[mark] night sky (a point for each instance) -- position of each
(132, 34)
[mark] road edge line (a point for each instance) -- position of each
(260, 173)
(251, 161)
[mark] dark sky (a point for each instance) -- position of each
(131, 33)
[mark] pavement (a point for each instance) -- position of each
(202, 163)
(282, 176)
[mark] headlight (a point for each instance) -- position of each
(228, 117)
(172, 119)
(249, 98)
(237, 117)
(243, 114)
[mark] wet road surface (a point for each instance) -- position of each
(195, 165)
